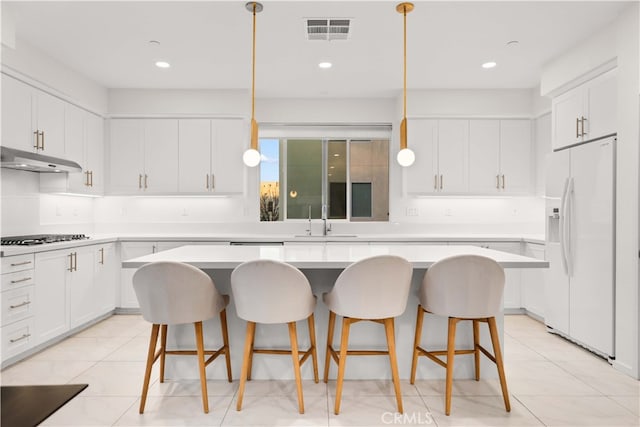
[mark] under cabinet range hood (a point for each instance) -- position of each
(35, 162)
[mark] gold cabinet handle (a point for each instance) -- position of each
(20, 280)
(139, 180)
(22, 304)
(145, 181)
(435, 182)
(577, 127)
(86, 178)
(207, 182)
(36, 142)
(498, 182)
(582, 120)
(91, 180)
(503, 180)
(213, 181)
(101, 256)
(70, 262)
(42, 146)
(20, 339)
(15, 264)
(441, 182)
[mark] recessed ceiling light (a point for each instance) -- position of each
(489, 64)
(325, 65)
(162, 64)
(336, 155)
(332, 167)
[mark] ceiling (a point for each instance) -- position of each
(209, 43)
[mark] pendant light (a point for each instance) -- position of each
(405, 157)
(251, 157)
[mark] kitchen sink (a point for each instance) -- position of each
(316, 236)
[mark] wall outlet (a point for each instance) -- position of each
(447, 212)
(184, 212)
(412, 211)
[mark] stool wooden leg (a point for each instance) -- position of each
(498, 355)
(163, 349)
(344, 343)
(314, 352)
(451, 347)
(391, 344)
(327, 356)
(416, 343)
(203, 374)
(476, 346)
(293, 336)
(248, 344)
(147, 373)
(225, 341)
(253, 339)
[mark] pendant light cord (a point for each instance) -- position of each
(253, 66)
(404, 103)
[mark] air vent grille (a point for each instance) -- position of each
(328, 28)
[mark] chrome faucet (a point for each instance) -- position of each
(325, 229)
(309, 229)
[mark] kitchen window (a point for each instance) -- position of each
(347, 177)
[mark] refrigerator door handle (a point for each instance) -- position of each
(568, 226)
(563, 213)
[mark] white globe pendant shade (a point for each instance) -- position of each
(251, 157)
(406, 157)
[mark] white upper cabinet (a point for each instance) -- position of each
(84, 144)
(500, 156)
(585, 112)
(515, 156)
(441, 149)
(422, 137)
(211, 155)
(32, 120)
(144, 156)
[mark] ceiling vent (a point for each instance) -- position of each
(328, 28)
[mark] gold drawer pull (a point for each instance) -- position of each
(20, 280)
(20, 339)
(20, 263)
(22, 304)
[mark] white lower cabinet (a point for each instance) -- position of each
(106, 277)
(533, 281)
(52, 294)
(82, 298)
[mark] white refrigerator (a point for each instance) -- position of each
(580, 247)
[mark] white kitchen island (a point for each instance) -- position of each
(322, 264)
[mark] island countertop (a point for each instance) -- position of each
(324, 256)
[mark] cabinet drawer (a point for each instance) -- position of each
(17, 263)
(17, 337)
(17, 279)
(17, 304)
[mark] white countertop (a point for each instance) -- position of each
(324, 256)
(261, 238)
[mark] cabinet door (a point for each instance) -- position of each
(601, 106)
(82, 295)
(94, 148)
(227, 168)
(105, 280)
(126, 159)
(160, 156)
(17, 131)
(453, 155)
(130, 250)
(533, 282)
(52, 295)
(50, 120)
(567, 110)
(195, 156)
(422, 136)
(512, 299)
(74, 124)
(515, 156)
(484, 150)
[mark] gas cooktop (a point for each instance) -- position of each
(39, 239)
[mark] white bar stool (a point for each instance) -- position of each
(463, 287)
(266, 291)
(172, 293)
(375, 289)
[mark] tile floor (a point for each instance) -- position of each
(551, 382)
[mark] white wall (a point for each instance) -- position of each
(467, 102)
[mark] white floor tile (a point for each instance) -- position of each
(379, 411)
(133, 350)
(515, 350)
(117, 326)
(480, 411)
(278, 411)
(602, 377)
(176, 411)
(632, 403)
(555, 348)
(283, 388)
(114, 379)
(360, 388)
(579, 411)
(89, 411)
(542, 378)
(460, 387)
(192, 388)
(89, 349)
(41, 372)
